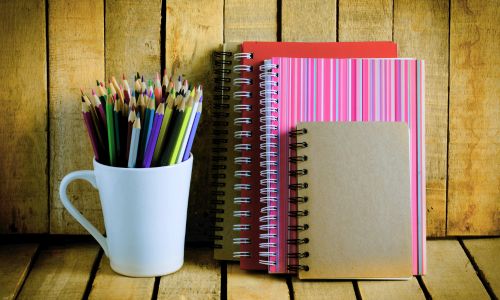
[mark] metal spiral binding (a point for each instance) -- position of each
(241, 148)
(295, 200)
(222, 68)
(269, 156)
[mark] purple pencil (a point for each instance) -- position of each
(193, 132)
(90, 129)
(155, 130)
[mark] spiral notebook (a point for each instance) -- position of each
(333, 90)
(255, 251)
(222, 159)
(357, 215)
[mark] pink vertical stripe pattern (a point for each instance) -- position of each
(386, 90)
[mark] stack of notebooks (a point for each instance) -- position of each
(318, 159)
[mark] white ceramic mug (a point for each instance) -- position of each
(145, 213)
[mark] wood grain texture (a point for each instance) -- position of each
(250, 20)
(244, 285)
(194, 31)
(110, 285)
(199, 278)
(132, 38)
(309, 21)
(304, 290)
(486, 255)
(396, 289)
(14, 263)
(450, 274)
(421, 31)
(474, 122)
(23, 159)
(60, 272)
(76, 59)
(365, 20)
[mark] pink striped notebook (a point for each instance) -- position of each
(337, 90)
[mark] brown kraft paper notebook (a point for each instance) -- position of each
(357, 200)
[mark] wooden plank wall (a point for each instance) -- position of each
(58, 46)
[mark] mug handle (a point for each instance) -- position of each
(90, 177)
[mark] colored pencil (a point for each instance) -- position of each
(164, 86)
(126, 89)
(137, 87)
(160, 145)
(134, 143)
(146, 128)
(132, 104)
(190, 122)
(154, 136)
(90, 129)
(101, 92)
(141, 107)
(192, 134)
(172, 138)
(180, 135)
(130, 124)
(116, 119)
(111, 134)
(151, 109)
(94, 118)
(117, 88)
(158, 89)
(100, 108)
(157, 120)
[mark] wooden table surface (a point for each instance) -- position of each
(69, 269)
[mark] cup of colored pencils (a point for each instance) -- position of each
(152, 125)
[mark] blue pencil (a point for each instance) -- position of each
(193, 131)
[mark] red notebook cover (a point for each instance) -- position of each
(255, 248)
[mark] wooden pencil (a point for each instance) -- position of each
(158, 118)
(101, 92)
(134, 143)
(141, 106)
(100, 107)
(195, 98)
(162, 137)
(151, 108)
(137, 87)
(133, 103)
(130, 124)
(119, 91)
(90, 129)
(116, 119)
(176, 128)
(126, 89)
(146, 128)
(111, 134)
(158, 89)
(182, 131)
(192, 134)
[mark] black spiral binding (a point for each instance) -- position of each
(222, 68)
(297, 173)
(240, 158)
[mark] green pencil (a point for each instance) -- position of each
(179, 138)
(116, 118)
(111, 134)
(172, 138)
(163, 131)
